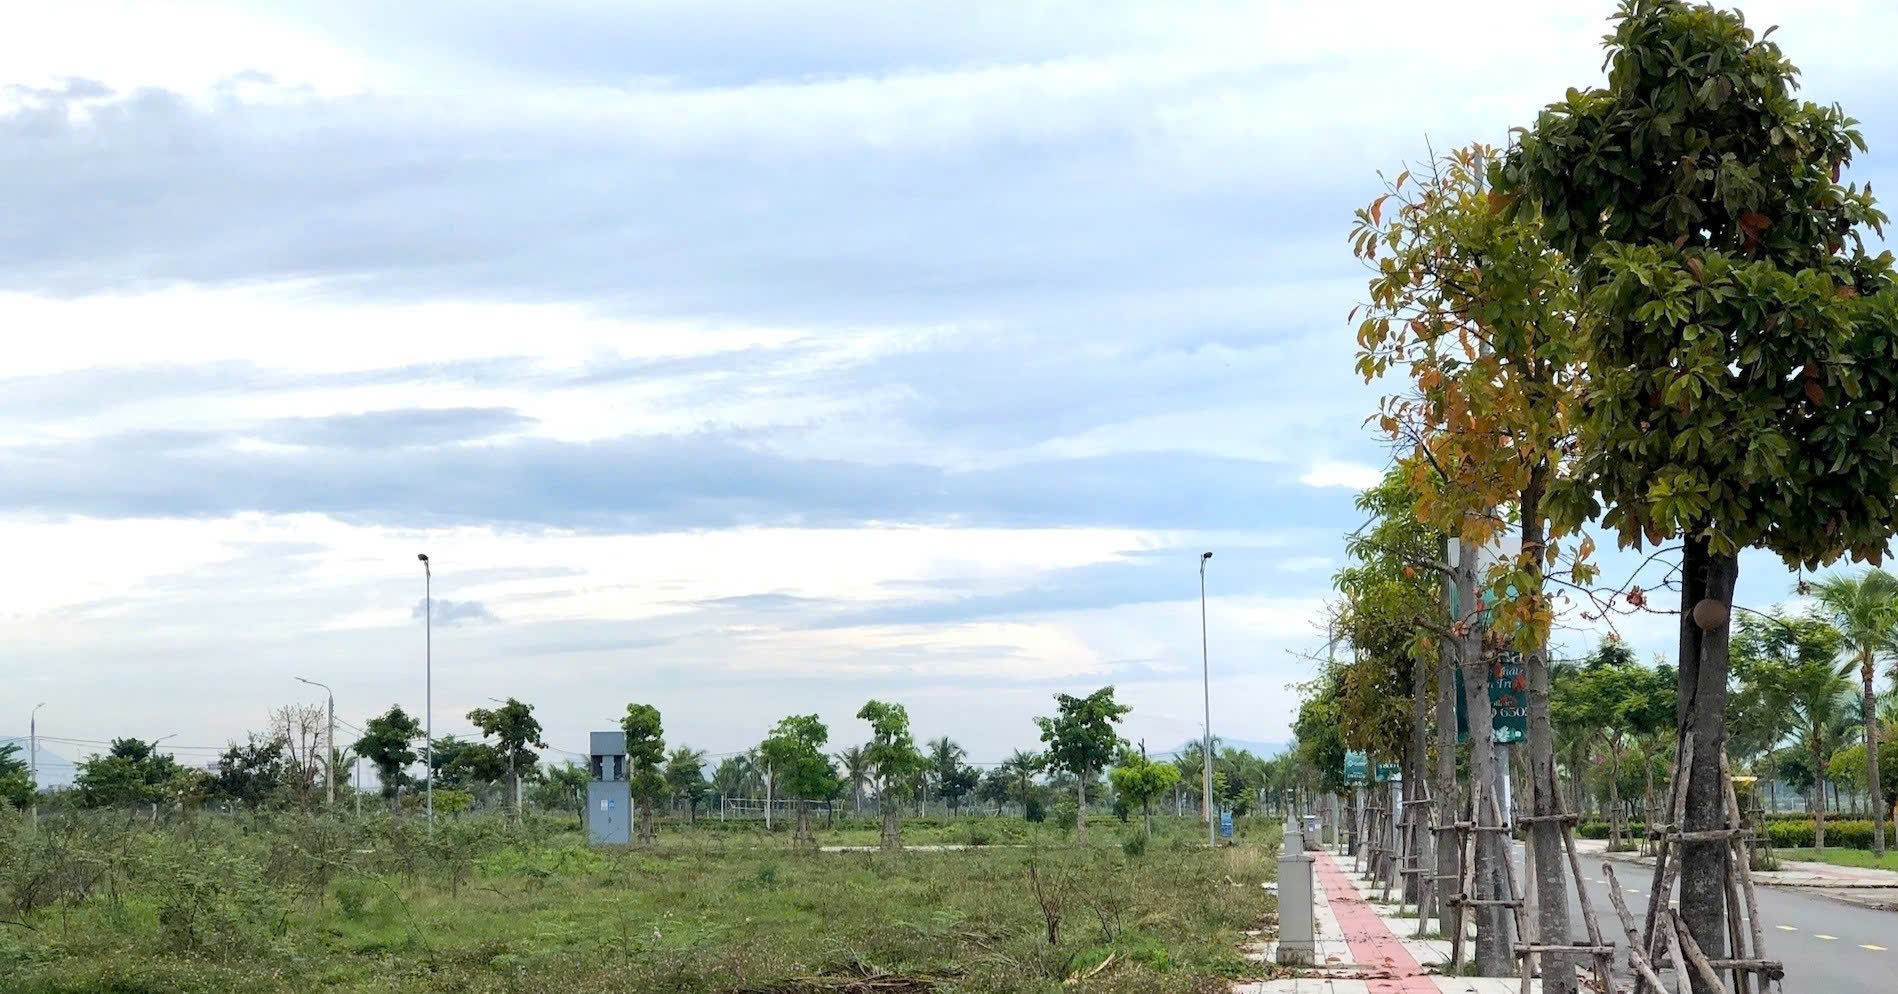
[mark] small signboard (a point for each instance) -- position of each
(1386, 772)
(1509, 697)
(1225, 824)
(1357, 768)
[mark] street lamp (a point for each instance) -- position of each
(33, 749)
(332, 741)
(1206, 686)
(428, 668)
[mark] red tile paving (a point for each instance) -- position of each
(1372, 942)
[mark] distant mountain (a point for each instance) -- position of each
(55, 770)
(1263, 750)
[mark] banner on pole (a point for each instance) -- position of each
(1508, 700)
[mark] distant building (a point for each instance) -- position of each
(609, 794)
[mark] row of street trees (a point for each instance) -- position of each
(1654, 312)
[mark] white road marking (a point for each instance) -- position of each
(1822, 935)
(1786, 928)
(1876, 949)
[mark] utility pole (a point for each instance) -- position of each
(33, 750)
(357, 762)
(331, 776)
(428, 669)
(1206, 687)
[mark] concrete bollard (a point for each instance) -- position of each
(1295, 947)
(1294, 836)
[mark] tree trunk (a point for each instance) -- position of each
(802, 837)
(1701, 715)
(1495, 953)
(1875, 791)
(1819, 794)
(1551, 858)
(892, 835)
(1614, 799)
(1146, 811)
(1422, 853)
(1080, 812)
(1443, 781)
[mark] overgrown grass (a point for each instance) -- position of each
(296, 903)
(1861, 858)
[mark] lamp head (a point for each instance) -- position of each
(1205, 556)
(423, 556)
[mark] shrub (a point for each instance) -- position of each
(353, 898)
(1844, 834)
(977, 836)
(1065, 815)
(1034, 811)
(1135, 845)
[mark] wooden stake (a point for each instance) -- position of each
(1637, 959)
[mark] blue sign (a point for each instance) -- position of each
(1356, 767)
(1225, 824)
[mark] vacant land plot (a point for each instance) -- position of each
(297, 903)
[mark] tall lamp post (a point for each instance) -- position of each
(1206, 686)
(428, 669)
(33, 751)
(331, 776)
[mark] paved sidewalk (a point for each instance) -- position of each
(1363, 948)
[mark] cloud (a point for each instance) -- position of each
(396, 429)
(1350, 475)
(628, 484)
(454, 612)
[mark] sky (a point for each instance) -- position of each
(745, 359)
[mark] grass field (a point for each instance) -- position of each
(296, 903)
(1861, 858)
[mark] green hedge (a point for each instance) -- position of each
(1844, 833)
(1783, 831)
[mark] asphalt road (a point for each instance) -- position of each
(1826, 946)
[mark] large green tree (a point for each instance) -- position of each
(1864, 608)
(1793, 663)
(645, 759)
(855, 763)
(1737, 339)
(563, 786)
(685, 777)
(954, 778)
(895, 761)
(1081, 739)
(16, 783)
(388, 743)
(250, 774)
(514, 728)
(1139, 780)
(132, 772)
(799, 767)
(1618, 700)
(1023, 766)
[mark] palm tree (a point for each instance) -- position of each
(1819, 697)
(1865, 610)
(945, 762)
(1022, 767)
(856, 763)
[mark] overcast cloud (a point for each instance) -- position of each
(741, 358)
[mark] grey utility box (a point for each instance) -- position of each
(609, 795)
(1295, 946)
